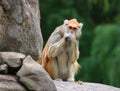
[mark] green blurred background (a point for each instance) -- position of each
(100, 40)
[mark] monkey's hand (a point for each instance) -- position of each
(75, 45)
(56, 48)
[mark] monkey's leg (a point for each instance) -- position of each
(55, 68)
(71, 72)
(52, 69)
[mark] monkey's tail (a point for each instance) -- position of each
(77, 66)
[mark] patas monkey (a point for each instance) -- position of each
(59, 57)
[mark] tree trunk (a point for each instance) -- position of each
(20, 27)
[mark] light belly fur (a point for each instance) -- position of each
(63, 65)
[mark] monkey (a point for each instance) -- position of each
(61, 52)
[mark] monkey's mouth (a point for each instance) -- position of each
(67, 39)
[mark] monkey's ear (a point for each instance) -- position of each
(65, 21)
(81, 25)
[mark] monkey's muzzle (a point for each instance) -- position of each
(67, 38)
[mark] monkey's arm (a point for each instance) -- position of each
(75, 54)
(76, 49)
(56, 45)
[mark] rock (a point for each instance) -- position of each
(3, 69)
(20, 27)
(74, 86)
(12, 59)
(9, 83)
(34, 77)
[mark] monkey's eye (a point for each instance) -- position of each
(74, 28)
(70, 27)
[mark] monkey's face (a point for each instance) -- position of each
(73, 27)
(68, 37)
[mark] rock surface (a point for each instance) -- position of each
(3, 69)
(34, 77)
(13, 61)
(73, 86)
(20, 27)
(9, 83)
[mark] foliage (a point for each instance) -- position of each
(100, 41)
(105, 54)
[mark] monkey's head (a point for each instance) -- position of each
(74, 27)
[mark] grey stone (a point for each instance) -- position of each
(34, 77)
(3, 69)
(12, 59)
(75, 86)
(20, 27)
(9, 83)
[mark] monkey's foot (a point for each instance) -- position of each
(58, 79)
(79, 82)
(70, 79)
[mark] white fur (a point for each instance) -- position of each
(65, 21)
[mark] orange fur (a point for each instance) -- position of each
(73, 23)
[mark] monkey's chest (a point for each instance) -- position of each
(63, 65)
